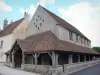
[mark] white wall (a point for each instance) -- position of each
(8, 40)
(7, 43)
(49, 23)
(20, 31)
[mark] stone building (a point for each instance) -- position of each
(10, 33)
(50, 42)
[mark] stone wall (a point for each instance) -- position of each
(43, 69)
(59, 70)
(8, 64)
(71, 68)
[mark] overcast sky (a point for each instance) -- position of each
(82, 14)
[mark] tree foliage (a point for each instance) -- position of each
(96, 49)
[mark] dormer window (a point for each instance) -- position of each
(81, 40)
(70, 36)
(84, 42)
(87, 43)
(76, 37)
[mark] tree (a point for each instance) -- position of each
(96, 49)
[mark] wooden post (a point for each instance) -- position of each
(23, 58)
(89, 58)
(78, 58)
(13, 64)
(35, 59)
(7, 58)
(85, 58)
(54, 56)
(36, 55)
(53, 59)
(92, 57)
(70, 60)
(57, 59)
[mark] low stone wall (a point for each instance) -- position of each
(59, 70)
(8, 64)
(43, 69)
(71, 68)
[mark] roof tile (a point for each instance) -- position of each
(47, 41)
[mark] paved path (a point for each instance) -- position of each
(8, 71)
(94, 70)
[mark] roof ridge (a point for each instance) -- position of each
(12, 23)
(9, 28)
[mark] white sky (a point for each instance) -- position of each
(82, 15)
(86, 18)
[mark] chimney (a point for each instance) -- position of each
(25, 14)
(5, 23)
(11, 21)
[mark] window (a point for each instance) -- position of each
(81, 40)
(38, 16)
(84, 42)
(43, 20)
(88, 43)
(70, 36)
(38, 28)
(34, 23)
(1, 44)
(40, 24)
(36, 19)
(76, 37)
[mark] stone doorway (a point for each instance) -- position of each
(18, 59)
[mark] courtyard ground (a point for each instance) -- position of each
(8, 71)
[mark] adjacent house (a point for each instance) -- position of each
(10, 33)
(50, 41)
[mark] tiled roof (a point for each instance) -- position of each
(11, 27)
(64, 23)
(47, 41)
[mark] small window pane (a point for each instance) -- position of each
(70, 36)
(40, 24)
(76, 37)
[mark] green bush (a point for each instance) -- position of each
(96, 49)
